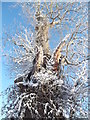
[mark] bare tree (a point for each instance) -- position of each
(50, 84)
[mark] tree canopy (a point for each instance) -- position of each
(49, 83)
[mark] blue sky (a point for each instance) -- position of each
(9, 15)
(0, 48)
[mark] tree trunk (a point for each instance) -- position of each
(41, 31)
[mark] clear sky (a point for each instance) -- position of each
(9, 14)
(0, 50)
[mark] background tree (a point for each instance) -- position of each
(49, 84)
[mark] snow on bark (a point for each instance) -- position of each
(50, 85)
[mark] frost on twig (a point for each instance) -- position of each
(50, 85)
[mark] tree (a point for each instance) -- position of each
(51, 84)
